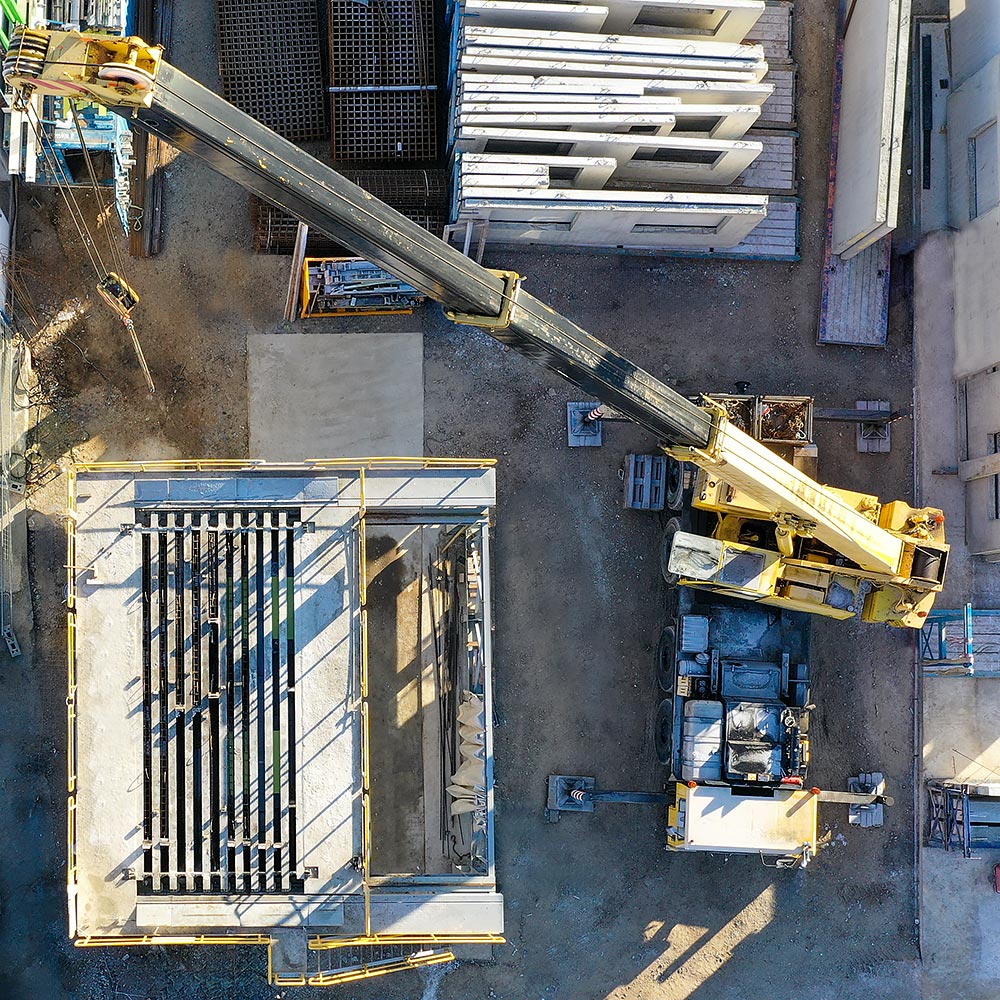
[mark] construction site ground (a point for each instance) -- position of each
(595, 907)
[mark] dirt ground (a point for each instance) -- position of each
(595, 907)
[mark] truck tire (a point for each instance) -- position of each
(666, 543)
(675, 483)
(666, 659)
(663, 732)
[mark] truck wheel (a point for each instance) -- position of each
(666, 659)
(675, 483)
(663, 732)
(666, 543)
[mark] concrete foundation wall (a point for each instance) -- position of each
(975, 36)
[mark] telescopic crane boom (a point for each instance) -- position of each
(780, 537)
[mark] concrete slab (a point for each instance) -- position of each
(110, 728)
(341, 395)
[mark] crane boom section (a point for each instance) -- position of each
(793, 498)
(197, 121)
(132, 79)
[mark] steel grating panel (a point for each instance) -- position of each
(219, 714)
(385, 43)
(421, 195)
(384, 125)
(382, 69)
(270, 64)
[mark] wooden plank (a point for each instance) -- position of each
(773, 32)
(854, 308)
(774, 169)
(779, 108)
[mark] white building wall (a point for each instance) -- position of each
(974, 213)
(973, 136)
(975, 36)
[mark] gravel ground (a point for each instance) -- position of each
(595, 907)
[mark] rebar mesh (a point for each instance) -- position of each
(385, 43)
(421, 195)
(382, 71)
(269, 61)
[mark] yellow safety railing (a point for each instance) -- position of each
(145, 940)
(366, 805)
(71, 868)
(225, 464)
(356, 973)
(321, 943)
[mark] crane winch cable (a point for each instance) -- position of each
(112, 287)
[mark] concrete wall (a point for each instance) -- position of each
(981, 410)
(977, 295)
(975, 36)
(974, 215)
(971, 107)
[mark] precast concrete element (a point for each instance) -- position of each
(663, 159)
(870, 133)
(220, 775)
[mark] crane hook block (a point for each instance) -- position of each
(118, 294)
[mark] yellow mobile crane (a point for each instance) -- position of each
(779, 537)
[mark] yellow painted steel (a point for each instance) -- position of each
(338, 977)
(386, 462)
(737, 459)
(366, 804)
(307, 297)
(330, 944)
(71, 869)
(115, 71)
(148, 940)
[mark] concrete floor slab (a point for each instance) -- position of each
(335, 396)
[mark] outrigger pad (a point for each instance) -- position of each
(560, 798)
(581, 433)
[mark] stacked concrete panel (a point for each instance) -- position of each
(869, 101)
(565, 116)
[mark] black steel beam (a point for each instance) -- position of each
(197, 121)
